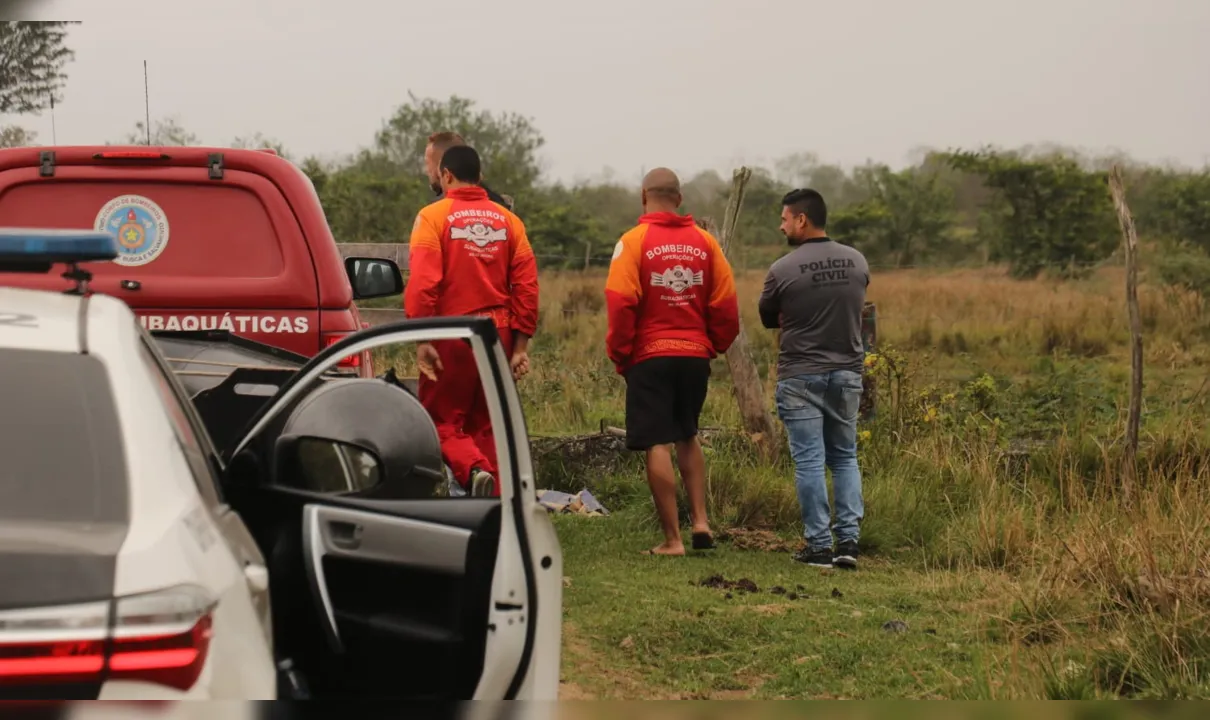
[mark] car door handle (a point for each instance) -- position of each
(257, 577)
(345, 535)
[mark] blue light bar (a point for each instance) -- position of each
(29, 246)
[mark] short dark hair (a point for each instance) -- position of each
(805, 201)
(463, 163)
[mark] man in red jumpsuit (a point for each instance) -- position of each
(469, 256)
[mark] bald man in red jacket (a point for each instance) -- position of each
(672, 308)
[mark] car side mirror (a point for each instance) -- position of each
(323, 465)
(373, 277)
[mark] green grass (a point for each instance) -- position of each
(998, 513)
(643, 627)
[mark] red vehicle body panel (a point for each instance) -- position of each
(250, 252)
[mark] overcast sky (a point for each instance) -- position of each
(628, 84)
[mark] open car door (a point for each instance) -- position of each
(382, 589)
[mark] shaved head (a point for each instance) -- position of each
(662, 180)
(661, 189)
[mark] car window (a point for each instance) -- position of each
(210, 223)
(328, 466)
(186, 433)
(61, 452)
(402, 437)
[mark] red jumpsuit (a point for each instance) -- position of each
(469, 256)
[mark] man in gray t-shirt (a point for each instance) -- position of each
(815, 295)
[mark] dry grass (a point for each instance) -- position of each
(997, 450)
(994, 463)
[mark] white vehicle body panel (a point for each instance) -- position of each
(510, 603)
(56, 329)
(178, 534)
(172, 537)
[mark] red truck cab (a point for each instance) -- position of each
(209, 239)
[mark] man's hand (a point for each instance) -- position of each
(428, 360)
(519, 364)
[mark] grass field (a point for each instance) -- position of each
(1002, 558)
(996, 531)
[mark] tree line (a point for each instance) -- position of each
(1034, 209)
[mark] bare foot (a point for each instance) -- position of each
(666, 549)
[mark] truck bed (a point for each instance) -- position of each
(229, 378)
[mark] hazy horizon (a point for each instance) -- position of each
(849, 84)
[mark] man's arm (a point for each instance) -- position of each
(623, 292)
(722, 321)
(523, 281)
(427, 268)
(769, 304)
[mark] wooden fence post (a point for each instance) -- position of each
(869, 340)
(1131, 241)
(745, 379)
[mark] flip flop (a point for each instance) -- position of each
(703, 541)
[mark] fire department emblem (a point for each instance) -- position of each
(131, 233)
(138, 224)
(480, 234)
(677, 278)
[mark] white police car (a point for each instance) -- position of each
(136, 563)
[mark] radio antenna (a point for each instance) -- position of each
(146, 104)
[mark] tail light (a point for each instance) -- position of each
(131, 155)
(352, 361)
(161, 637)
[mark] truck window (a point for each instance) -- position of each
(220, 231)
(61, 456)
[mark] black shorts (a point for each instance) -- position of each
(664, 398)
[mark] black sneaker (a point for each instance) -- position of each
(846, 555)
(815, 558)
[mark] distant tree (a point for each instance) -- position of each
(794, 170)
(32, 58)
(804, 170)
(168, 131)
(507, 142)
(563, 231)
(615, 208)
(704, 194)
(1050, 213)
(12, 136)
(318, 171)
(908, 215)
(366, 207)
(761, 214)
(259, 141)
(1175, 205)
(970, 193)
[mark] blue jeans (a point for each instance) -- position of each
(820, 415)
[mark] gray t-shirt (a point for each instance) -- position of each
(815, 294)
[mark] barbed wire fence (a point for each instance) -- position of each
(572, 261)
